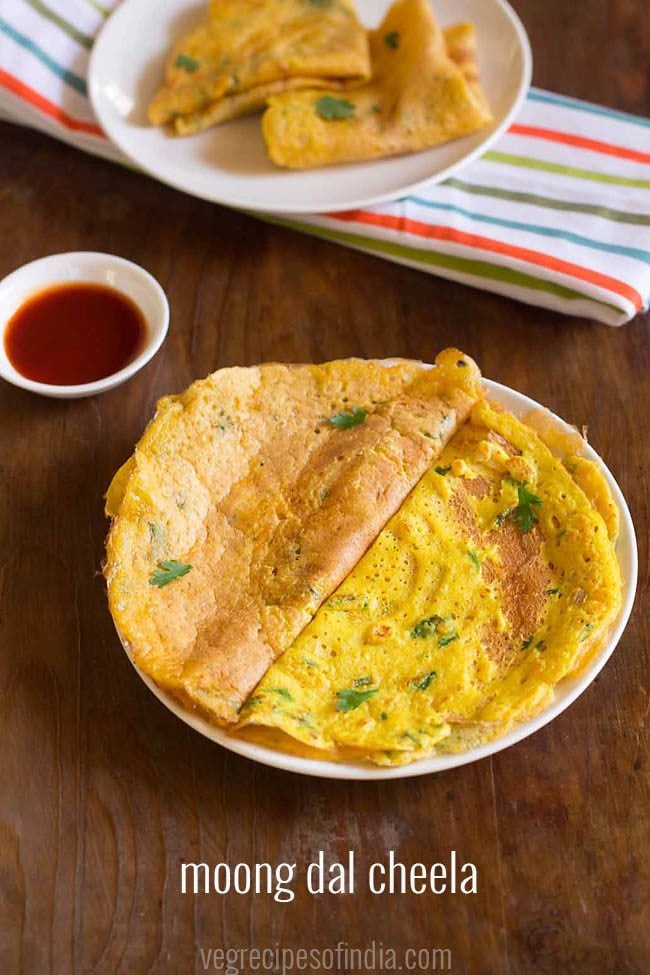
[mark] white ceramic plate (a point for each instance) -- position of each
(566, 691)
(229, 164)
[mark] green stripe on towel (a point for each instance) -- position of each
(551, 203)
(528, 162)
(479, 269)
(63, 24)
(69, 77)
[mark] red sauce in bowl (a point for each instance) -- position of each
(71, 334)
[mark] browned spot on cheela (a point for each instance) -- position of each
(522, 577)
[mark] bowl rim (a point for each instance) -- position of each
(79, 267)
(573, 687)
(105, 91)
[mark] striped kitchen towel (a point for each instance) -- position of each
(557, 214)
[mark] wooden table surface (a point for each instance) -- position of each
(103, 792)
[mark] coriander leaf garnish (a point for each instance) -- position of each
(282, 692)
(335, 601)
(431, 627)
(553, 592)
(523, 514)
(349, 699)
(426, 628)
(348, 418)
(168, 570)
(331, 108)
(320, 3)
(421, 683)
(249, 703)
(442, 470)
(446, 638)
(473, 556)
(527, 642)
(187, 63)
(392, 39)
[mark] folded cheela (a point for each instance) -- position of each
(418, 97)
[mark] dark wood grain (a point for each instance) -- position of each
(103, 793)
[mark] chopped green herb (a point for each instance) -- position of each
(446, 638)
(320, 3)
(553, 592)
(383, 716)
(586, 632)
(362, 681)
(540, 645)
(431, 627)
(331, 108)
(473, 555)
(335, 601)
(309, 663)
(376, 109)
(426, 628)
(350, 700)
(523, 515)
(249, 703)
(282, 692)
(527, 642)
(168, 570)
(392, 39)
(442, 470)
(348, 418)
(421, 683)
(187, 63)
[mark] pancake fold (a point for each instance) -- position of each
(244, 50)
(495, 580)
(251, 497)
(417, 97)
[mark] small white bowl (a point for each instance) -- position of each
(84, 267)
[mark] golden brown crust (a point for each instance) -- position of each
(243, 478)
(244, 44)
(417, 97)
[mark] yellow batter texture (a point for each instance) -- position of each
(496, 579)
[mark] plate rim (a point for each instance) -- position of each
(350, 771)
(360, 202)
